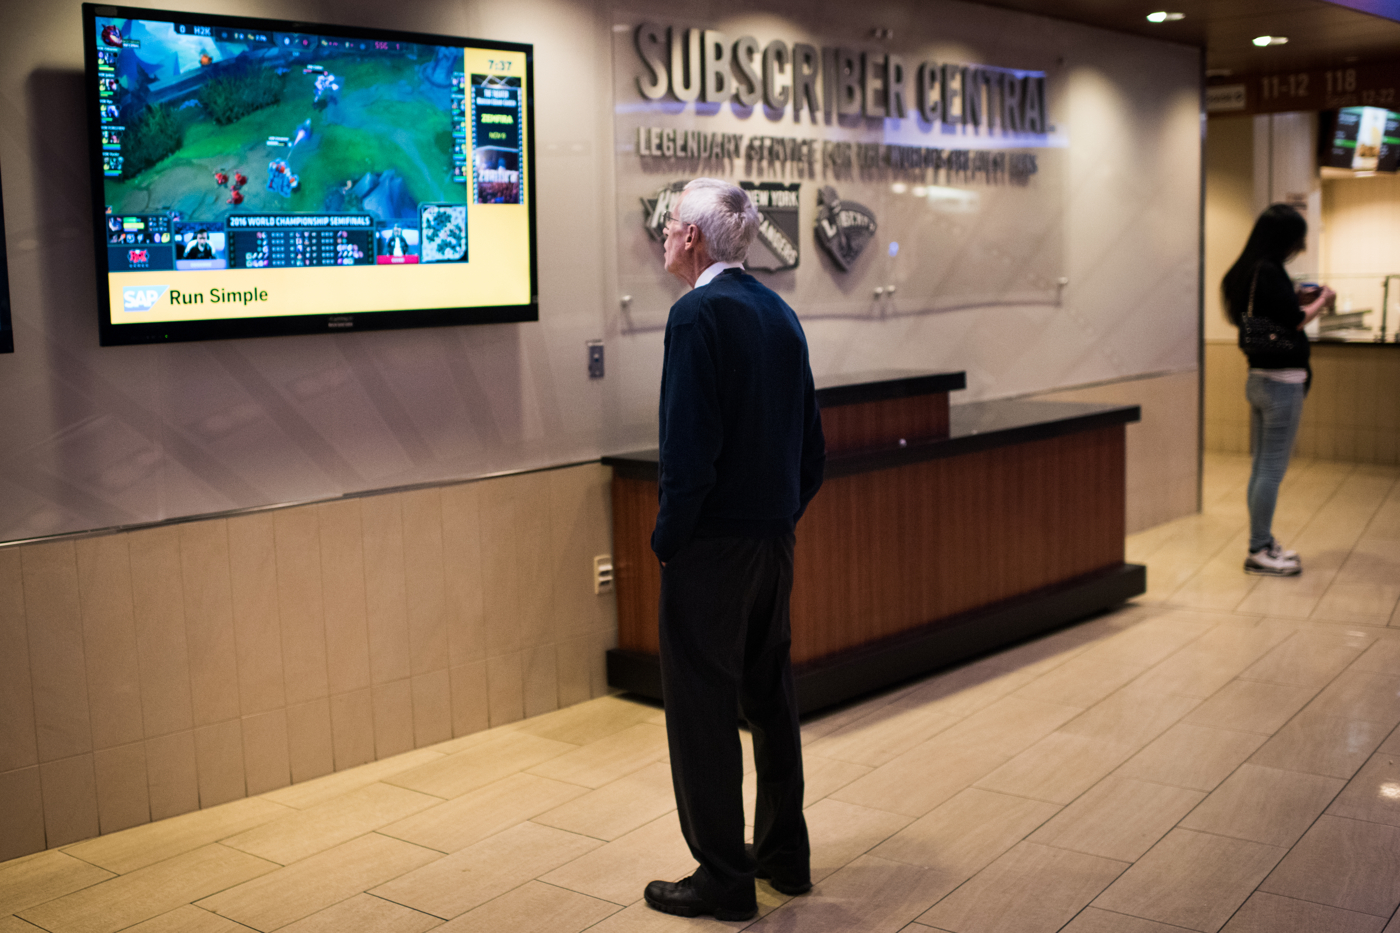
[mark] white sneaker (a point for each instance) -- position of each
(1286, 553)
(1272, 560)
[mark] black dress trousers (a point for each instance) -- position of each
(725, 640)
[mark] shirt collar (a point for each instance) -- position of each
(714, 269)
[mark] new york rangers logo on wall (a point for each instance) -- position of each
(843, 227)
(775, 248)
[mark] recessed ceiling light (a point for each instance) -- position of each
(1262, 41)
(1164, 17)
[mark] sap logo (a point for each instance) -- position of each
(142, 297)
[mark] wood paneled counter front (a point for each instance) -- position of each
(939, 534)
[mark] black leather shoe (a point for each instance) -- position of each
(788, 886)
(681, 898)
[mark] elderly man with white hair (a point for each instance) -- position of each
(741, 456)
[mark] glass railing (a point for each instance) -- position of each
(1367, 308)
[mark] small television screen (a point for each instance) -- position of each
(256, 177)
(1363, 139)
(7, 334)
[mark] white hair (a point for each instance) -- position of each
(725, 214)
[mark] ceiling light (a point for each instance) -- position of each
(1164, 17)
(1262, 41)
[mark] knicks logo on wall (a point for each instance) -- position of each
(775, 248)
(655, 208)
(844, 228)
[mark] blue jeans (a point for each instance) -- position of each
(1275, 410)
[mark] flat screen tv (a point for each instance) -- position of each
(7, 334)
(255, 177)
(1363, 139)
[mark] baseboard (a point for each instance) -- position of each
(942, 644)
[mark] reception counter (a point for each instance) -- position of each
(940, 533)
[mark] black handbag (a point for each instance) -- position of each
(1266, 342)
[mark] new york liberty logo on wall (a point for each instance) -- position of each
(844, 228)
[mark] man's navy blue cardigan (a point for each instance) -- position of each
(742, 451)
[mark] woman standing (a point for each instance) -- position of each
(1257, 285)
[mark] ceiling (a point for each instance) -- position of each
(1320, 33)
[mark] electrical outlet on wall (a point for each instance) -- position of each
(602, 574)
(595, 359)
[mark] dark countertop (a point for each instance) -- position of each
(879, 385)
(973, 427)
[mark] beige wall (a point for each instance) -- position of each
(1226, 411)
(149, 672)
(1361, 225)
(1352, 412)
(101, 437)
(1163, 451)
(152, 672)
(1353, 409)
(1361, 245)
(1229, 210)
(1229, 216)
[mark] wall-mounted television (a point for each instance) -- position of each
(1363, 139)
(256, 177)
(7, 334)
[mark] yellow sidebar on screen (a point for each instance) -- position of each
(496, 271)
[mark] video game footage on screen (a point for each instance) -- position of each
(202, 123)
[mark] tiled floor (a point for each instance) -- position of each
(1222, 754)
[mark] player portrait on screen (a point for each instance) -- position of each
(201, 245)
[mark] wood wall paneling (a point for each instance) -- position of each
(886, 552)
(636, 571)
(873, 425)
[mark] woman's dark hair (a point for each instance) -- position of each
(1278, 233)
